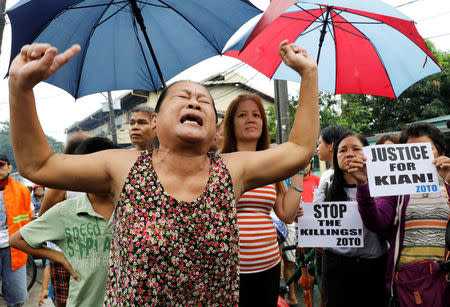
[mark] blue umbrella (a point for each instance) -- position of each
(127, 44)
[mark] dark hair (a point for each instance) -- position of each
(332, 134)
(166, 89)
(387, 137)
(336, 190)
(4, 158)
(74, 140)
(94, 144)
(424, 129)
(229, 135)
(142, 108)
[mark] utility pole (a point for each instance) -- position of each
(282, 111)
(283, 126)
(112, 124)
(2, 21)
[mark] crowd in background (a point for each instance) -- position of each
(187, 216)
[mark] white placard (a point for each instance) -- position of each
(401, 169)
(330, 224)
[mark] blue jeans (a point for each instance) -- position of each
(14, 283)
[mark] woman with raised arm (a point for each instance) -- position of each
(245, 129)
(176, 237)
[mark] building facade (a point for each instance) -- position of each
(223, 88)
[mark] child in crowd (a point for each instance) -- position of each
(82, 228)
(46, 290)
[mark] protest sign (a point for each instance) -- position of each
(330, 224)
(401, 169)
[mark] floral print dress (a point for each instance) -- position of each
(167, 252)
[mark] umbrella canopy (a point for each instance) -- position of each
(127, 44)
(361, 46)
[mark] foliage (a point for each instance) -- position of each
(6, 146)
(366, 114)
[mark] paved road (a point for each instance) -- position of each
(33, 295)
(36, 291)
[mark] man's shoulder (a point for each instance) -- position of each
(65, 208)
(17, 184)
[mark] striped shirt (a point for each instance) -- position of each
(258, 246)
(425, 222)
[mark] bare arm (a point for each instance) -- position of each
(45, 285)
(254, 169)
(35, 159)
(287, 204)
(17, 241)
(51, 198)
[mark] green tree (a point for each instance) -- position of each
(6, 146)
(349, 112)
(367, 114)
(425, 99)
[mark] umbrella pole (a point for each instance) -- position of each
(323, 32)
(140, 20)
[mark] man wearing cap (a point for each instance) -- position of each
(15, 212)
(37, 197)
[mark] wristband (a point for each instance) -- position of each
(302, 172)
(295, 188)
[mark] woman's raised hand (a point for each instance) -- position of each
(36, 63)
(357, 169)
(297, 58)
(443, 167)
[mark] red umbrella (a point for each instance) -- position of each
(362, 47)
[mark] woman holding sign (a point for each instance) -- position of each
(416, 225)
(245, 129)
(352, 276)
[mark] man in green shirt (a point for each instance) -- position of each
(82, 228)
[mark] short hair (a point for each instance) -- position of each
(142, 108)
(166, 89)
(332, 134)
(387, 137)
(74, 140)
(424, 129)
(94, 144)
(229, 135)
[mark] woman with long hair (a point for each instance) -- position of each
(352, 276)
(325, 147)
(175, 240)
(245, 129)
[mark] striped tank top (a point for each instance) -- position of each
(258, 246)
(425, 222)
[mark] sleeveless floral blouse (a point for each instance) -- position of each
(167, 252)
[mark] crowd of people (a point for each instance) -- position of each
(186, 217)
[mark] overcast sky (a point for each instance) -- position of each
(58, 110)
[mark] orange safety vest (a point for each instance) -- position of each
(18, 213)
